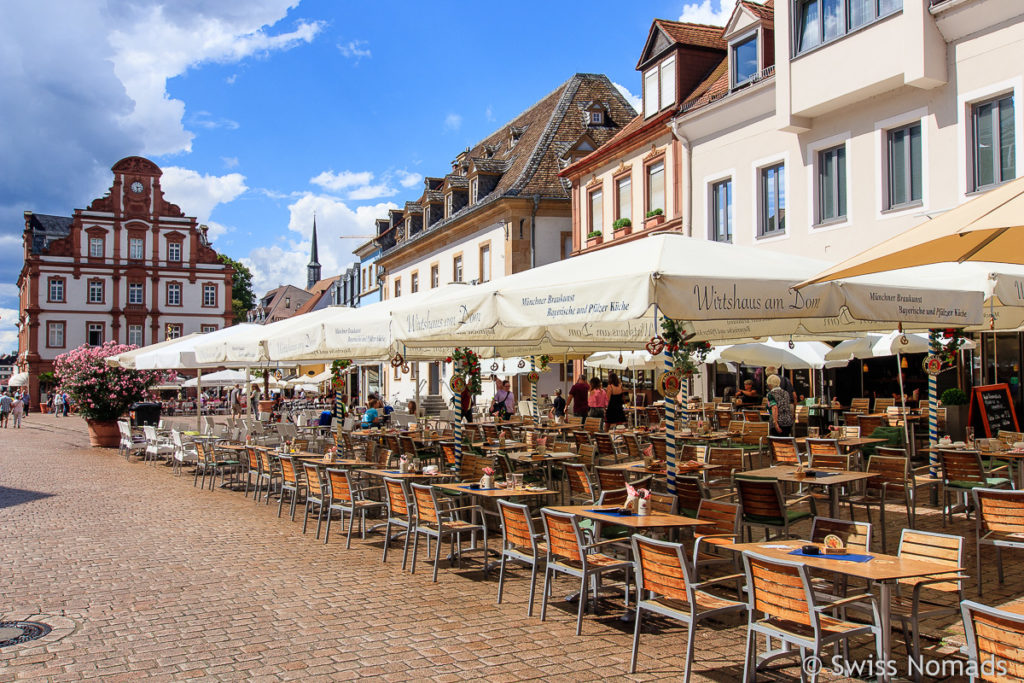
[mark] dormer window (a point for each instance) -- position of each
(474, 190)
(660, 87)
(743, 55)
(597, 118)
(448, 205)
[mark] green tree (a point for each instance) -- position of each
(243, 299)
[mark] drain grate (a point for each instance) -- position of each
(17, 632)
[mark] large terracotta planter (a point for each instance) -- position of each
(103, 433)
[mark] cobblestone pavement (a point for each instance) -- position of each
(158, 578)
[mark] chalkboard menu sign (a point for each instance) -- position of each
(992, 410)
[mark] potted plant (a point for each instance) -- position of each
(654, 217)
(955, 402)
(102, 393)
(623, 226)
(594, 238)
(46, 382)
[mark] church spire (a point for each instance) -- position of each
(313, 268)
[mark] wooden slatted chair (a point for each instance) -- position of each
(869, 423)
(690, 491)
(581, 488)
(856, 536)
(723, 530)
(399, 506)
(347, 496)
(735, 426)
(567, 553)
(882, 404)
(441, 524)
(780, 592)
(291, 483)
(609, 478)
(581, 438)
(270, 474)
(994, 635)
(472, 468)
(755, 434)
(852, 419)
(664, 586)
(830, 461)
(822, 447)
(653, 414)
(393, 444)
(520, 543)
(784, 451)
(694, 452)
(893, 478)
(592, 424)
(253, 470)
(665, 503)
(606, 449)
(728, 462)
(999, 523)
(962, 472)
(860, 405)
(317, 495)
(659, 448)
(633, 449)
(764, 506)
(751, 415)
(350, 448)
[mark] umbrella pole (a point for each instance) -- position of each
(903, 401)
(199, 400)
(533, 391)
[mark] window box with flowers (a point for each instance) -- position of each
(654, 218)
(622, 227)
(594, 238)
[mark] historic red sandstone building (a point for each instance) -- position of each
(132, 268)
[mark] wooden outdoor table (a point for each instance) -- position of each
(395, 474)
(850, 442)
(638, 467)
(1014, 606)
(886, 570)
(832, 479)
(497, 446)
(463, 488)
(655, 520)
(556, 427)
(548, 460)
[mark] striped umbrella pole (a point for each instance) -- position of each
(533, 389)
(933, 415)
(458, 438)
(670, 429)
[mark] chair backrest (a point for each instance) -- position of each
(851, 419)
(664, 502)
(254, 458)
(1000, 510)
(632, 446)
(694, 452)
(288, 472)
(831, 461)
(653, 415)
(581, 438)
(662, 568)
(150, 433)
(961, 466)
(881, 404)
(1008, 437)
(996, 637)
(856, 536)
(724, 517)
(408, 446)
(341, 487)
(517, 525)
(426, 504)
(592, 424)
(472, 467)
(690, 491)
(784, 450)
(610, 478)
(265, 459)
(659, 448)
(892, 470)
(869, 423)
(760, 498)
(778, 589)
(394, 445)
(736, 426)
(579, 480)
(802, 415)
(726, 458)
(490, 431)
(448, 451)
(751, 415)
(928, 546)
(605, 444)
(613, 497)
(754, 432)
(860, 405)
(315, 484)
(563, 535)
(397, 497)
(585, 455)
(822, 447)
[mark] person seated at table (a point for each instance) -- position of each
(748, 395)
(371, 418)
(411, 407)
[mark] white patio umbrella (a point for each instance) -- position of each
(624, 360)
(802, 356)
(127, 359)
(227, 378)
(881, 345)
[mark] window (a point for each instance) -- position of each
(135, 335)
(398, 287)
(55, 335)
(457, 269)
(94, 334)
(821, 21)
(135, 246)
(95, 291)
(474, 188)
(566, 245)
(904, 167)
(721, 211)
(448, 205)
(832, 184)
(656, 186)
(485, 263)
(287, 302)
(173, 294)
(135, 293)
(206, 329)
(596, 118)
(744, 61)
(660, 87)
(994, 139)
(414, 283)
(56, 290)
(174, 251)
(773, 200)
(435, 276)
(95, 247)
(596, 201)
(172, 330)
(624, 198)
(209, 295)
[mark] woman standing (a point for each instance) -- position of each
(615, 414)
(780, 406)
(597, 399)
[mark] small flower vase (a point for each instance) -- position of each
(643, 506)
(403, 466)
(487, 481)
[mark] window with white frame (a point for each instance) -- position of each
(596, 118)
(55, 335)
(136, 292)
(993, 145)
(905, 167)
(448, 204)
(474, 188)
(95, 291)
(721, 210)
(135, 248)
(414, 283)
(832, 184)
(94, 334)
(656, 186)
(457, 269)
(206, 329)
(56, 290)
(435, 276)
(596, 217)
(398, 287)
(209, 295)
(95, 247)
(659, 87)
(821, 21)
(624, 198)
(485, 263)
(174, 251)
(773, 200)
(744, 60)
(173, 294)
(172, 330)
(135, 335)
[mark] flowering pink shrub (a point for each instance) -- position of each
(101, 391)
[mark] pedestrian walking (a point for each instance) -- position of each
(18, 410)
(25, 401)
(6, 405)
(66, 402)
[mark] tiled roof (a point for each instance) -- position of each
(764, 12)
(700, 35)
(320, 290)
(46, 229)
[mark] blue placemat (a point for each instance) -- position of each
(393, 471)
(849, 557)
(612, 513)
(470, 488)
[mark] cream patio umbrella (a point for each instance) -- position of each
(127, 359)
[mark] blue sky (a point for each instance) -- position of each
(262, 112)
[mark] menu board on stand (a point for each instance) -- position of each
(991, 410)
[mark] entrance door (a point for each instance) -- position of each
(434, 379)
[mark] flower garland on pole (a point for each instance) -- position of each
(339, 369)
(102, 392)
(465, 373)
(944, 349)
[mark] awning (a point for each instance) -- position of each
(18, 379)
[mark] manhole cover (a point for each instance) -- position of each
(17, 632)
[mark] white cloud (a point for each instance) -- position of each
(197, 195)
(8, 330)
(8, 290)
(489, 113)
(230, 162)
(230, 80)
(285, 263)
(329, 180)
(204, 119)
(452, 122)
(217, 230)
(703, 12)
(353, 49)
(407, 179)
(630, 97)
(367, 192)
